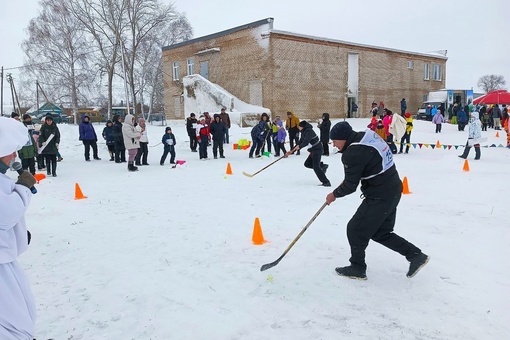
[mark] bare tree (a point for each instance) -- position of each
(149, 68)
(491, 82)
(57, 51)
(102, 19)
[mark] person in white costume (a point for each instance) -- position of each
(17, 306)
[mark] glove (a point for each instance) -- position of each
(56, 144)
(26, 179)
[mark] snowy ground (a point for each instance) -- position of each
(166, 253)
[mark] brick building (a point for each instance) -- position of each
(309, 75)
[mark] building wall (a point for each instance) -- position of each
(241, 62)
(310, 77)
(302, 74)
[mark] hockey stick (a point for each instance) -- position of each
(267, 166)
(272, 264)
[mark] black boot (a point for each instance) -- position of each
(417, 263)
(478, 153)
(352, 272)
(131, 167)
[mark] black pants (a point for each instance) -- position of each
(40, 162)
(169, 149)
(279, 146)
(111, 150)
(406, 139)
(438, 128)
(120, 154)
(28, 164)
(325, 147)
(143, 152)
(255, 147)
(51, 164)
(389, 141)
(313, 161)
(193, 143)
(478, 152)
(202, 148)
(375, 220)
(293, 138)
(217, 144)
(90, 143)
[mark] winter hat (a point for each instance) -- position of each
(13, 136)
(192, 114)
(341, 131)
(26, 116)
(168, 128)
(50, 117)
(201, 117)
(303, 123)
(409, 115)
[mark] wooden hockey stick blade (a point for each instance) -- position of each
(272, 264)
(247, 174)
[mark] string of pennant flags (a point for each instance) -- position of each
(445, 146)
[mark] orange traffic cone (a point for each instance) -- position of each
(229, 169)
(405, 187)
(438, 145)
(39, 177)
(466, 165)
(258, 237)
(497, 134)
(78, 195)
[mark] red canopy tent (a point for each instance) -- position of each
(494, 97)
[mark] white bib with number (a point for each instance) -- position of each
(374, 140)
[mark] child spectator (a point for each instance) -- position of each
(438, 120)
(406, 138)
(110, 139)
(280, 138)
(169, 142)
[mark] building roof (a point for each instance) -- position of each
(222, 33)
(270, 21)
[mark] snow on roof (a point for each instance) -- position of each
(435, 54)
(200, 95)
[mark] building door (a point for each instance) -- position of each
(255, 87)
(352, 85)
(204, 69)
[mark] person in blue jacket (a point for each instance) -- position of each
(88, 137)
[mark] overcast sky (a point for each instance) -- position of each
(475, 33)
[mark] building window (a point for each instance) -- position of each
(176, 70)
(436, 72)
(410, 64)
(426, 75)
(191, 64)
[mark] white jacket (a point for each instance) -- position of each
(398, 126)
(131, 136)
(17, 306)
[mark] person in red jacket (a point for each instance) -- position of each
(203, 137)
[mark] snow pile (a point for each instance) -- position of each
(201, 95)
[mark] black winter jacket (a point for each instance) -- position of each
(324, 128)
(363, 161)
(308, 136)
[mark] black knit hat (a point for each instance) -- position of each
(303, 123)
(340, 131)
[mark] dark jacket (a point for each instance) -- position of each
(308, 136)
(225, 119)
(190, 126)
(117, 134)
(166, 137)
(324, 128)
(259, 131)
(364, 161)
(44, 134)
(217, 130)
(87, 131)
(108, 134)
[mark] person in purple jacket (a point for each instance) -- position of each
(88, 137)
(438, 119)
